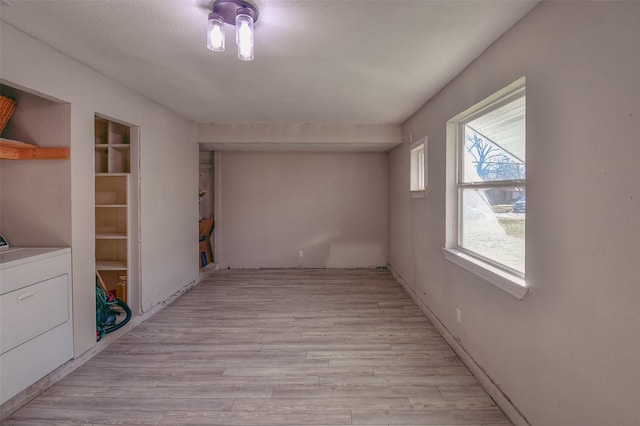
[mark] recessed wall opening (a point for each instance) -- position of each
(117, 231)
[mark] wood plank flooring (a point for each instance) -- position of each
(275, 347)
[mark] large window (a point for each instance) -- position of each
(487, 210)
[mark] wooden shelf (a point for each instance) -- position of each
(111, 236)
(112, 154)
(111, 265)
(15, 150)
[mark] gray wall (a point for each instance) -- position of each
(30, 187)
(168, 168)
(333, 207)
(568, 353)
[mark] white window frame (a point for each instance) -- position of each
(491, 271)
(418, 168)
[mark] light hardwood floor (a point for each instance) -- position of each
(275, 347)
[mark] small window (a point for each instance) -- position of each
(487, 198)
(418, 166)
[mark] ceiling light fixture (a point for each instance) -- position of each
(240, 13)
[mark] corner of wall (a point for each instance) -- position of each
(502, 400)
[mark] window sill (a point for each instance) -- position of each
(417, 193)
(513, 285)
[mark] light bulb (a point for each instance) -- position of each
(215, 33)
(244, 36)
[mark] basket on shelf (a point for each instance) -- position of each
(7, 106)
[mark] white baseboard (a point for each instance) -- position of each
(24, 397)
(487, 383)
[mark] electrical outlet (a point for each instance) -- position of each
(459, 315)
(300, 253)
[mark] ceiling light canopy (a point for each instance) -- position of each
(240, 13)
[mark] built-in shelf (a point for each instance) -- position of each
(111, 265)
(112, 174)
(111, 236)
(112, 147)
(16, 150)
(112, 203)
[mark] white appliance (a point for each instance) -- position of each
(36, 332)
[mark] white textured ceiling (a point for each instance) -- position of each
(350, 61)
